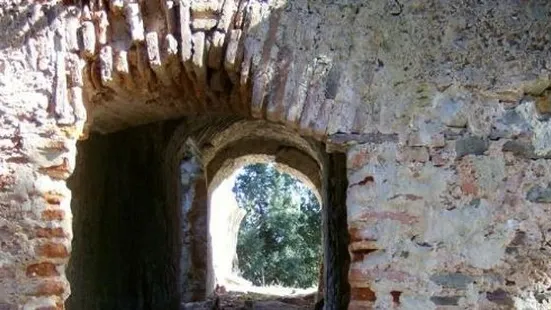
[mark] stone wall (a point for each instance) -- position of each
(456, 214)
(37, 154)
(442, 106)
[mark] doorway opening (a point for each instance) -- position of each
(266, 231)
(141, 209)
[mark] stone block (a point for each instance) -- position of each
(539, 194)
(436, 140)
(452, 280)
(511, 125)
(543, 106)
(413, 154)
(441, 156)
(445, 300)
(451, 110)
(471, 146)
(520, 148)
(500, 297)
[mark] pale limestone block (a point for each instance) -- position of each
(88, 36)
(134, 21)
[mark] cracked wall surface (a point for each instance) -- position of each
(442, 107)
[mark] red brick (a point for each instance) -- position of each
(357, 234)
(469, 188)
(52, 250)
(359, 255)
(467, 178)
(361, 305)
(44, 269)
(49, 288)
(53, 198)
(359, 159)
(368, 180)
(413, 197)
(53, 215)
(359, 250)
(396, 296)
(56, 232)
(58, 172)
(362, 293)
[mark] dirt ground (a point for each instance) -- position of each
(254, 301)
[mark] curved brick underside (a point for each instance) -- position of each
(322, 67)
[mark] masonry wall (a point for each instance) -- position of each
(446, 102)
(450, 218)
(37, 154)
(126, 246)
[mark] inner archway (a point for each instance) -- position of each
(216, 151)
(266, 228)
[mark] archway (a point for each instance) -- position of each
(161, 255)
(287, 158)
(264, 213)
(213, 150)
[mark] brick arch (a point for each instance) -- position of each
(246, 151)
(208, 144)
(150, 61)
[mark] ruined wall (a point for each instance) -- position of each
(459, 89)
(125, 252)
(456, 213)
(37, 154)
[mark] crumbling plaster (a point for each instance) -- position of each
(442, 106)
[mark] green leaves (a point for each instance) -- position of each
(280, 238)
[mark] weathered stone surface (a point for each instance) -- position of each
(539, 194)
(511, 125)
(397, 80)
(134, 20)
(521, 148)
(445, 300)
(88, 39)
(451, 109)
(500, 297)
(453, 280)
(471, 146)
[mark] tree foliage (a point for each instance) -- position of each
(280, 237)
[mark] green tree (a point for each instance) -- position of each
(280, 237)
